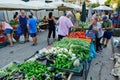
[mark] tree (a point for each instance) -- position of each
(94, 5)
(118, 5)
(108, 2)
(26, 0)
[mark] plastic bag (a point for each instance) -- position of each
(57, 31)
(13, 40)
(22, 39)
(18, 30)
(90, 34)
(92, 50)
(30, 38)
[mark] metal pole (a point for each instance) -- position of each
(7, 15)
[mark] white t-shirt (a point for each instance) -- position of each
(100, 32)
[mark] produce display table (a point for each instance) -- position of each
(62, 60)
(43, 25)
(116, 32)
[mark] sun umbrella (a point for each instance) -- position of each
(103, 8)
(83, 17)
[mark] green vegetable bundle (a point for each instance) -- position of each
(83, 24)
(14, 23)
(76, 46)
(32, 69)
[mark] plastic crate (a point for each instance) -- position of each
(3, 44)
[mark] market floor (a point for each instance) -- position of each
(20, 52)
(102, 65)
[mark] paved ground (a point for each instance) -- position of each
(101, 66)
(21, 51)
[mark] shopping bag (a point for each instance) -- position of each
(22, 39)
(91, 34)
(56, 31)
(13, 40)
(92, 50)
(18, 30)
(30, 38)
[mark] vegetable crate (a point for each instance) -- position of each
(116, 32)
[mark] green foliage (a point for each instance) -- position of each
(118, 5)
(94, 5)
(107, 2)
(26, 0)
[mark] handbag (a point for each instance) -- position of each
(18, 30)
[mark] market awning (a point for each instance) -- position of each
(13, 5)
(103, 8)
(38, 5)
(65, 6)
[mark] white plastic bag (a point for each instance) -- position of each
(30, 38)
(13, 40)
(21, 39)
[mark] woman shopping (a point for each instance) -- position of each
(8, 30)
(51, 23)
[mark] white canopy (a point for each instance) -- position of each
(69, 5)
(13, 4)
(40, 5)
(103, 8)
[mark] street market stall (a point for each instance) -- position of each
(60, 61)
(13, 5)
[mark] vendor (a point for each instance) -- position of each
(64, 24)
(8, 29)
(45, 19)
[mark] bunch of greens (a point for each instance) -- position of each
(83, 24)
(14, 23)
(76, 46)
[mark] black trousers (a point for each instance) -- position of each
(60, 37)
(51, 30)
(98, 44)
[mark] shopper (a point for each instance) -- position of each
(96, 27)
(32, 23)
(115, 20)
(23, 25)
(77, 16)
(8, 30)
(16, 17)
(64, 24)
(107, 26)
(52, 29)
(119, 20)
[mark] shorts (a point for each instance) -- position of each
(24, 29)
(33, 34)
(8, 31)
(107, 34)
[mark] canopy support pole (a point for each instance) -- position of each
(7, 15)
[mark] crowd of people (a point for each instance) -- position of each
(101, 24)
(27, 26)
(103, 28)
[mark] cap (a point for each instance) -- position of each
(104, 17)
